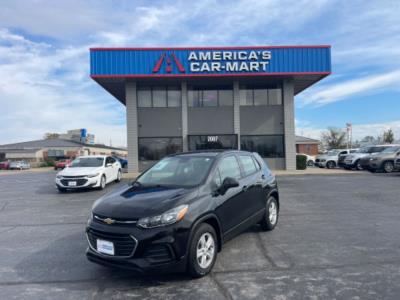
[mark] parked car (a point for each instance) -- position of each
(61, 164)
(122, 161)
(383, 161)
(353, 161)
(330, 159)
(310, 159)
(89, 172)
(178, 214)
(19, 165)
(4, 165)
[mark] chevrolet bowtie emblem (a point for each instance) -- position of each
(109, 221)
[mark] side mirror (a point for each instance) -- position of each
(228, 183)
(108, 165)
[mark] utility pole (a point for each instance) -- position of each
(349, 129)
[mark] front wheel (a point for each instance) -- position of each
(271, 214)
(330, 164)
(202, 251)
(388, 167)
(358, 165)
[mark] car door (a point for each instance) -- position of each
(229, 206)
(109, 169)
(252, 184)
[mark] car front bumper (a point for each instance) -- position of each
(80, 182)
(161, 249)
(321, 164)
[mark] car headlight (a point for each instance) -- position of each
(374, 158)
(93, 175)
(59, 177)
(169, 217)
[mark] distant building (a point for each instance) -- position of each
(38, 151)
(306, 145)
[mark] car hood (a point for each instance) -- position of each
(79, 171)
(132, 202)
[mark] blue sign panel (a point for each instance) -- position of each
(242, 61)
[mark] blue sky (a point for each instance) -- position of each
(44, 67)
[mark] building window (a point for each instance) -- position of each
(203, 142)
(157, 148)
(210, 97)
(265, 145)
(159, 96)
(260, 96)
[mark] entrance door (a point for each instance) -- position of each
(207, 142)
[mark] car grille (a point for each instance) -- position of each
(124, 244)
(317, 160)
(79, 182)
(158, 254)
(102, 220)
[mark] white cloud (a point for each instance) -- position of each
(326, 94)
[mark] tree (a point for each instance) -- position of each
(334, 138)
(388, 136)
(369, 139)
(51, 135)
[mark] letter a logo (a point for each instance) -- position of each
(168, 60)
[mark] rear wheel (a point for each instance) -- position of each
(202, 251)
(310, 163)
(271, 214)
(119, 176)
(388, 167)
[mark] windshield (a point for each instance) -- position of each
(90, 162)
(364, 150)
(182, 171)
(391, 150)
(332, 152)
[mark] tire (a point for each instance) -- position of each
(270, 219)
(61, 190)
(330, 164)
(310, 163)
(358, 166)
(119, 176)
(202, 236)
(102, 182)
(388, 167)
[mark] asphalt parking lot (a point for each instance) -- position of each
(337, 238)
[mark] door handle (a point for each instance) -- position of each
(262, 176)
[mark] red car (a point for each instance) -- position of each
(61, 164)
(4, 165)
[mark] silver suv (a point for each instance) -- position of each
(331, 158)
(353, 161)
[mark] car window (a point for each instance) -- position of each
(248, 164)
(229, 167)
(216, 179)
(258, 166)
(343, 152)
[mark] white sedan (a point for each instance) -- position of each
(89, 172)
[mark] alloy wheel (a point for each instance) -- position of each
(272, 212)
(205, 250)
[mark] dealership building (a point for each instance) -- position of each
(187, 99)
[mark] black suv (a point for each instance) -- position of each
(179, 213)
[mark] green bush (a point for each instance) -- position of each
(301, 162)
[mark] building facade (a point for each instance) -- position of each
(307, 146)
(186, 99)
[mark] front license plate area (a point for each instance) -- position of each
(105, 247)
(72, 183)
